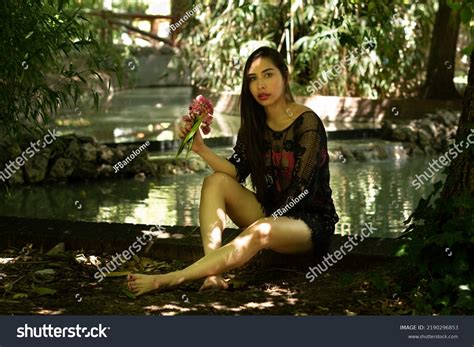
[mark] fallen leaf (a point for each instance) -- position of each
(8, 301)
(128, 293)
(59, 248)
(237, 284)
(20, 296)
(45, 272)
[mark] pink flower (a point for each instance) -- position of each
(205, 129)
(203, 104)
(200, 110)
(207, 120)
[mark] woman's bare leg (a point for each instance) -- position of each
(284, 235)
(221, 195)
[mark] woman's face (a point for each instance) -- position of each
(265, 81)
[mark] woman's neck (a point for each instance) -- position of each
(277, 112)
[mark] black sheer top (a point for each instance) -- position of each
(296, 166)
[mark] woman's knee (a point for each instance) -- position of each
(217, 178)
(260, 232)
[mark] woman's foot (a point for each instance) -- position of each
(214, 282)
(141, 284)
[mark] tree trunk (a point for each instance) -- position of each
(440, 73)
(461, 171)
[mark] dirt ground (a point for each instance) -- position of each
(32, 282)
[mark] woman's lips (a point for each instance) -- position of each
(263, 96)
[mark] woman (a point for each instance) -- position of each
(283, 147)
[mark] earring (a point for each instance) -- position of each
(289, 113)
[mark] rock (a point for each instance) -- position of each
(168, 168)
(106, 154)
(89, 152)
(61, 169)
(429, 127)
(36, 167)
(380, 153)
(73, 151)
(424, 138)
(119, 153)
(346, 154)
(86, 170)
(140, 177)
(361, 154)
(410, 132)
(440, 144)
(196, 165)
(333, 156)
(451, 118)
(178, 171)
(429, 151)
(399, 135)
(417, 151)
(106, 170)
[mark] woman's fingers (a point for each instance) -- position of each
(181, 130)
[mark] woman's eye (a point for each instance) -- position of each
(268, 74)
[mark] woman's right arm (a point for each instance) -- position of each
(217, 163)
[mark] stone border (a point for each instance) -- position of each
(184, 243)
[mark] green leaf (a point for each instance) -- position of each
(43, 291)
(29, 34)
(454, 5)
(189, 136)
(466, 14)
(468, 49)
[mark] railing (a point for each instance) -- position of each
(113, 19)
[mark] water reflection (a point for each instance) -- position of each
(377, 192)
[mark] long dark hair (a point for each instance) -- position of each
(253, 117)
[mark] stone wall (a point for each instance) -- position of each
(428, 135)
(72, 157)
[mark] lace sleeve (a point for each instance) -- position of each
(310, 155)
(239, 159)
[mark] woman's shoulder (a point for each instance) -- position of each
(300, 109)
(307, 117)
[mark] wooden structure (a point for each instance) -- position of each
(126, 20)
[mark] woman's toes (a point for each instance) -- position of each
(214, 282)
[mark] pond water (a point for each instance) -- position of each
(138, 115)
(379, 192)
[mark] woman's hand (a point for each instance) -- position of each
(184, 129)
